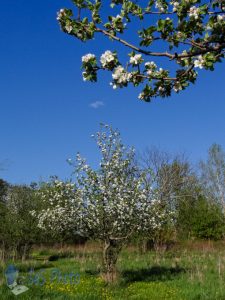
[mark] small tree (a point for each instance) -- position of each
(114, 204)
(213, 174)
(200, 218)
(111, 203)
(185, 34)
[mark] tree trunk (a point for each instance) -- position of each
(110, 255)
(26, 251)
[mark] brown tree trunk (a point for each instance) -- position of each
(110, 255)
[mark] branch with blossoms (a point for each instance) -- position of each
(190, 33)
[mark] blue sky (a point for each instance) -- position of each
(46, 114)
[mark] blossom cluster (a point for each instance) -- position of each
(160, 6)
(175, 5)
(199, 62)
(120, 77)
(88, 58)
(194, 12)
(109, 60)
(198, 28)
(136, 59)
(150, 67)
(89, 63)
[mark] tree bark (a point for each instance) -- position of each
(111, 251)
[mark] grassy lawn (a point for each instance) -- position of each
(182, 274)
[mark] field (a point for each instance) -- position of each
(190, 272)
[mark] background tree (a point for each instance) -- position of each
(171, 174)
(3, 190)
(18, 230)
(188, 35)
(200, 218)
(173, 178)
(212, 174)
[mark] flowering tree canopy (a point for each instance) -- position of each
(189, 34)
(108, 203)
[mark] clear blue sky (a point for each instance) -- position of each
(45, 112)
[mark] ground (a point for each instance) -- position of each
(182, 273)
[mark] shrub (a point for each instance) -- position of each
(202, 219)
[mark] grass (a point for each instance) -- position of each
(190, 273)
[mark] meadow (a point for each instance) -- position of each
(186, 272)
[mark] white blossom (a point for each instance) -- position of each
(177, 87)
(194, 12)
(141, 96)
(86, 58)
(61, 14)
(120, 76)
(220, 17)
(199, 63)
(159, 6)
(69, 28)
(136, 59)
(107, 58)
(150, 67)
(175, 5)
(161, 89)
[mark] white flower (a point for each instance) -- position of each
(61, 14)
(177, 87)
(106, 58)
(150, 64)
(86, 58)
(136, 59)
(194, 12)
(220, 18)
(121, 76)
(149, 72)
(160, 7)
(141, 96)
(84, 74)
(150, 67)
(114, 86)
(161, 89)
(175, 5)
(199, 63)
(69, 28)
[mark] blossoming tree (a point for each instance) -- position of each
(183, 35)
(110, 204)
(58, 208)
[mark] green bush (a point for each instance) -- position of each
(201, 219)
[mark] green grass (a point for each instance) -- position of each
(188, 274)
